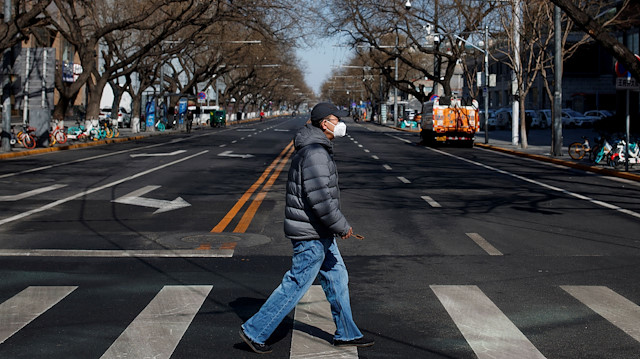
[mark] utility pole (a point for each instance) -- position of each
(395, 87)
(6, 87)
(556, 123)
(515, 88)
(485, 88)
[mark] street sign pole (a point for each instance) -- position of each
(628, 84)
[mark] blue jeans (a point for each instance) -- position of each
(315, 258)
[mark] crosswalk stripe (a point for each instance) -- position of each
(488, 331)
(24, 307)
(313, 329)
(157, 330)
(610, 305)
(486, 246)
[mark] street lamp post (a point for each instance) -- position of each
(485, 87)
(395, 87)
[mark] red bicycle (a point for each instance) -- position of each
(27, 137)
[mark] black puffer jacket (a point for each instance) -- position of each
(313, 198)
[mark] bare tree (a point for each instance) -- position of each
(599, 31)
(26, 14)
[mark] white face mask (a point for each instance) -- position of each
(339, 130)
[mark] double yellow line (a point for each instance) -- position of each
(278, 164)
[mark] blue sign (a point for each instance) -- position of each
(151, 113)
(182, 106)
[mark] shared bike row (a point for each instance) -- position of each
(28, 139)
(607, 152)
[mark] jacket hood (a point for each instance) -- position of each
(309, 135)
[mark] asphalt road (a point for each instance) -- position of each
(163, 246)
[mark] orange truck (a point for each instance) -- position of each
(449, 120)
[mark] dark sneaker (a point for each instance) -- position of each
(258, 348)
(360, 342)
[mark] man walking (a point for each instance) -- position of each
(312, 221)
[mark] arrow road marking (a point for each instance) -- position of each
(134, 198)
(231, 154)
(19, 196)
(158, 154)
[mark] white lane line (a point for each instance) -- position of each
(165, 154)
(37, 169)
(116, 253)
(366, 150)
(24, 307)
(387, 167)
(544, 185)
(20, 196)
(431, 202)
(486, 246)
(610, 305)
(400, 138)
(375, 157)
(313, 329)
(223, 145)
(157, 330)
(403, 180)
(96, 189)
(360, 146)
(488, 331)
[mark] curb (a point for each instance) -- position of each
(15, 154)
(598, 170)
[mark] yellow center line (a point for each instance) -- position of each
(245, 197)
(253, 208)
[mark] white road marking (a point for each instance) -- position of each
(96, 189)
(367, 151)
(116, 253)
(431, 202)
(134, 198)
(24, 307)
(544, 185)
(37, 169)
(400, 138)
(375, 157)
(387, 167)
(486, 246)
(231, 154)
(610, 305)
(313, 329)
(157, 330)
(157, 154)
(20, 196)
(488, 331)
(403, 180)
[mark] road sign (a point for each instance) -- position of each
(202, 97)
(621, 71)
(627, 83)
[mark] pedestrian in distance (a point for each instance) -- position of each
(261, 116)
(313, 220)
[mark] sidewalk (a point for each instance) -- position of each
(539, 148)
(125, 135)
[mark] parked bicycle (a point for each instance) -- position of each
(600, 151)
(160, 126)
(578, 150)
(27, 137)
(57, 134)
(617, 157)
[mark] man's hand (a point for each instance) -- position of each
(349, 233)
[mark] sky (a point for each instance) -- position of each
(320, 60)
